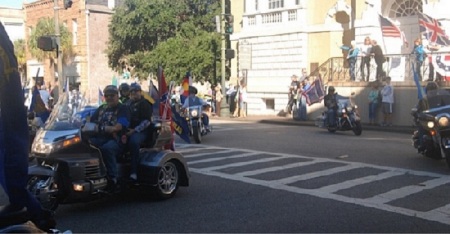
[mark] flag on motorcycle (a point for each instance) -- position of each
(315, 93)
(180, 125)
(100, 96)
(14, 139)
(164, 104)
(432, 30)
(187, 81)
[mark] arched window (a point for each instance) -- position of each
(405, 8)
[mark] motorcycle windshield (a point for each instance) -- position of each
(68, 113)
(344, 102)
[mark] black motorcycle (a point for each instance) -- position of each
(347, 117)
(68, 169)
(432, 137)
(194, 117)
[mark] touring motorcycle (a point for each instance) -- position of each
(432, 137)
(347, 117)
(68, 169)
(194, 118)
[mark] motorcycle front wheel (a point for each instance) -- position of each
(197, 133)
(357, 128)
(43, 188)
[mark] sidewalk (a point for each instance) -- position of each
(290, 121)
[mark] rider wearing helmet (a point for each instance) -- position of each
(124, 91)
(193, 100)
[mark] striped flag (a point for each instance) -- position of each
(187, 81)
(389, 29)
(165, 111)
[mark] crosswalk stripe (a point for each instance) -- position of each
(325, 172)
(240, 164)
(221, 158)
(207, 153)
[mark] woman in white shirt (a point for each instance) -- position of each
(366, 50)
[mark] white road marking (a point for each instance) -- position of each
(441, 214)
(221, 158)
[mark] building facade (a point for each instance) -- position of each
(12, 20)
(87, 21)
(283, 36)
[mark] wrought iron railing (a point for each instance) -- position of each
(398, 66)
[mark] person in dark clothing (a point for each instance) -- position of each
(124, 91)
(112, 119)
(141, 111)
(14, 141)
(292, 93)
(379, 59)
(330, 102)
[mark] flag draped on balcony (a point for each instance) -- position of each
(389, 29)
(432, 30)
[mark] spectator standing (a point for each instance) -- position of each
(219, 98)
(419, 55)
(387, 101)
(292, 93)
(366, 52)
(352, 55)
(305, 85)
(243, 101)
(374, 93)
(379, 59)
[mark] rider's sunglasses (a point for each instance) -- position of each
(110, 95)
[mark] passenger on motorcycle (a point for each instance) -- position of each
(193, 100)
(124, 91)
(112, 119)
(330, 102)
(141, 111)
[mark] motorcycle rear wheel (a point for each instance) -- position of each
(168, 177)
(37, 187)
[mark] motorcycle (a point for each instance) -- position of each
(347, 117)
(433, 128)
(67, 169)
(194, 118)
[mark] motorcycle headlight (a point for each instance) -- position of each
(47, 148)
(194, 113)
(430, 124)
(443, 121)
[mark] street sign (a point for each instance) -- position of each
(245, 56)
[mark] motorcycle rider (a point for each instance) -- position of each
(141, 111)
(112, 119)
(193, 100)
(330, 102)
(124, 91)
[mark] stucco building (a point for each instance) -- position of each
(285, 36)
(87, 21)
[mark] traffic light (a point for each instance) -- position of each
(46, 43)
(229, 24)
(67, 4)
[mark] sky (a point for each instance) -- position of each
(14, 3)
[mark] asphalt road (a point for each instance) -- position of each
(261, 178)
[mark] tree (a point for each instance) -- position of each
(46, 26)
(174, 34)
(20, 52)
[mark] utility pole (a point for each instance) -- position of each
(224, 110)
(58, 49)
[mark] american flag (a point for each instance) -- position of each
(389, 29)
(432, 30)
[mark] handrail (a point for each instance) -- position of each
(398, 66)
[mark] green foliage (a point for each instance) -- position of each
(46, 26)
(175, 34)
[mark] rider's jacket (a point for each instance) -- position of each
(110, 116)
(141, 112)
(330, 101)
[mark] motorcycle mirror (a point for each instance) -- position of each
(413, 111)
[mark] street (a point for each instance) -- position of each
(261, 178)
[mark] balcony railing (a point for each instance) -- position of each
(397, 66)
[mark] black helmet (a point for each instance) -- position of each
(110, 89)
(135, 87)
(431, 86)
(124, 87)
(331, 89)
(192, 90)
